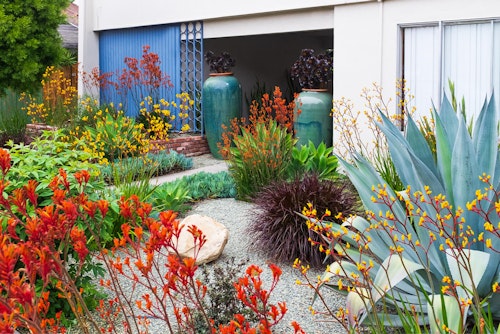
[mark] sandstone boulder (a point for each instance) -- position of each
(215, 233)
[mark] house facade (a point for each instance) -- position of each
(424, 42)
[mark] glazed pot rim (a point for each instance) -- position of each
(223, 74)
(315, 90)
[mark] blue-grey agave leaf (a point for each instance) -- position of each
(364, 177)
(412, 171)
(390, 273)
(402, 153)
(379, 244)
(448, 117)
(486, 138)
(444, 145)
(465, 175)
(419, 145)
(480, 119)
(398, 147)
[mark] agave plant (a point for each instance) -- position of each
(433, 250)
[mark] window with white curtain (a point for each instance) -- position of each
(466, 53)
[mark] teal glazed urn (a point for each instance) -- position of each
(312, 117)
(221, 103)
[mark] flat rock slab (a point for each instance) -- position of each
(216, 234)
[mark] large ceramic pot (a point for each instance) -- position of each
(221, 103)
(312, 120)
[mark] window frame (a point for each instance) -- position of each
(442, 84)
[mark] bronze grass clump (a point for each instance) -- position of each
(312, 71)
(219, 63)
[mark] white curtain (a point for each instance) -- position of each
(468, 54)
(468, 62)
(496, 64)
(422, 67)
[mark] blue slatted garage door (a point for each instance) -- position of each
(115, 45)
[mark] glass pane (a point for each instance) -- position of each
(496, 64)
(467, 62)
(421, 67)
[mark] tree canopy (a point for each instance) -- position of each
(29, 41)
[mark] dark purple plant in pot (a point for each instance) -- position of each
(219, 63)
(312, 71)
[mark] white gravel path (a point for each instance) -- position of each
(236, 216)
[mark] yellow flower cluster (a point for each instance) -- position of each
(158, 116)
(59, 98)
(109, 134)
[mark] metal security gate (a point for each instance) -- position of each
(180, 50)
(192, 69)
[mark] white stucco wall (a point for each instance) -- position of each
(88, 41)
(270, 23)
(366, 33)
(112, 14)
(367, 41)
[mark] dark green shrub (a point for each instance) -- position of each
(283, 235)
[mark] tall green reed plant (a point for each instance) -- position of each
(132, 177)
(260, 157)
(13, 118)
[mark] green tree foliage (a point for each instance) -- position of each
(29, 41)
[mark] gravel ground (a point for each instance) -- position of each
(236, 216)
(204, 160)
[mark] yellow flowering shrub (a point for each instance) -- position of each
(58, 102)
(109, 134)
(158, 117)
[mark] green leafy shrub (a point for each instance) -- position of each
(309, 159)
(260, 157)
(432, 250)
(277, 229)
(13, 118)
(42, 160)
